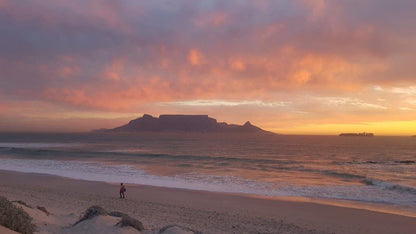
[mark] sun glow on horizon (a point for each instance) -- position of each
(387, 128)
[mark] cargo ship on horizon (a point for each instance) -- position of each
(365, 134)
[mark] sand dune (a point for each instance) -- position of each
(100, 224)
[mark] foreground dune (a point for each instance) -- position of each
(156, 208)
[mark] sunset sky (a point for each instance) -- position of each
(288, 66)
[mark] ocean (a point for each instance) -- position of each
(364, 171)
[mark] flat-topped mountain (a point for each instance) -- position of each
(185, 123)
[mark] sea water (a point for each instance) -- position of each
(369, 170)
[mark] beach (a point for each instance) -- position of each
(287, 116)
(207, 212)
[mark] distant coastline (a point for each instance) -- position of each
(365, 134)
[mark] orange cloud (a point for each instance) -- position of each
(91, 55)
(195, 57)
(115, 70)
(237, 64)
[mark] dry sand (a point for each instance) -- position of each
(207, 212)
(4, 230)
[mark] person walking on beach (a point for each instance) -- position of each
(122, 190)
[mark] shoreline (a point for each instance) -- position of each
(375, 207)
(345, 203)
(209, 212)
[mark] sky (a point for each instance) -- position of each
(288, 66)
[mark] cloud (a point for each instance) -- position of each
(405, 90)
(195, 57)
(201, 103)
(354, 102)
(123, 56)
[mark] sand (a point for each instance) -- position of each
(4, 230)
(207, 212)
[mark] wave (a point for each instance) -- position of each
(406, 162)
(390, 186)
(183, 161)
(342, 174)
(71, 153)
(95, 171)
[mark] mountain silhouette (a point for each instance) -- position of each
(184, 123)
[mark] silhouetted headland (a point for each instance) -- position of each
(184, 123)
(365, 134)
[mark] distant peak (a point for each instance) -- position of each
(147, 116)
(248, 123)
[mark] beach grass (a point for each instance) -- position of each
(15, 218)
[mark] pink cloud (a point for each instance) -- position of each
(122, 56)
